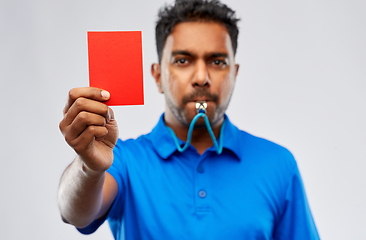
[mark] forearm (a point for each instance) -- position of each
(80, 194)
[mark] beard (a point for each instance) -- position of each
(185, 115)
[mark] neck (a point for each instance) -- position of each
(201, 138)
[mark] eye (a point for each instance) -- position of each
(181, 61)
(219, 63)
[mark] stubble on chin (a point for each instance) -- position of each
(184, 117)
(176, 111)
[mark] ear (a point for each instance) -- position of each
(236, 69)
(156, 73)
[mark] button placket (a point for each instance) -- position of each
(201, 187)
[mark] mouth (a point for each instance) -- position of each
(201, 100)
(201, 95)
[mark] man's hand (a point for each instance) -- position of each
(89, 127)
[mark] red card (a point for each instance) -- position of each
(115, 64)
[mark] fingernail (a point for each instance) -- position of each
(105, 94)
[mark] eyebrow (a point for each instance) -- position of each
(210, 55)
(216, 55)
(182, 52)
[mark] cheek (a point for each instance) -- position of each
(167, 81)
(170, 85)
(178, 80)
(172, 82)
(226, 88)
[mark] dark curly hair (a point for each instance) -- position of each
(191, 11)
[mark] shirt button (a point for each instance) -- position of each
(200, 169)
(202, 194)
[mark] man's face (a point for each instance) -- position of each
(197, 65)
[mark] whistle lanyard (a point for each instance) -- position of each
(201, 113)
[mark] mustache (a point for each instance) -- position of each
(200, 93)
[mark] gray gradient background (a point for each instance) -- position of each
(301, 84)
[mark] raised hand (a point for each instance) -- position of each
(89, 127)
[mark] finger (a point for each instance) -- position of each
(86, 92)
(82, 121)
(110, 115)
(87, 105)
(86, 139)
(84, 147)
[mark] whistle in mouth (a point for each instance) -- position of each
(201, 106)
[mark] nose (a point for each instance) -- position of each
(201, 76)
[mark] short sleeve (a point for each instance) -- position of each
(296, 222)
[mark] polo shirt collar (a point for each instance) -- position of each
(162, 139)
(232, 140)
(164, 145)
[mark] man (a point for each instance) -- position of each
(251, 189)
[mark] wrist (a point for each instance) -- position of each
(88, 172)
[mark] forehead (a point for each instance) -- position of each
(199, 38)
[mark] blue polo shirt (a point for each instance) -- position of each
(252, 190)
